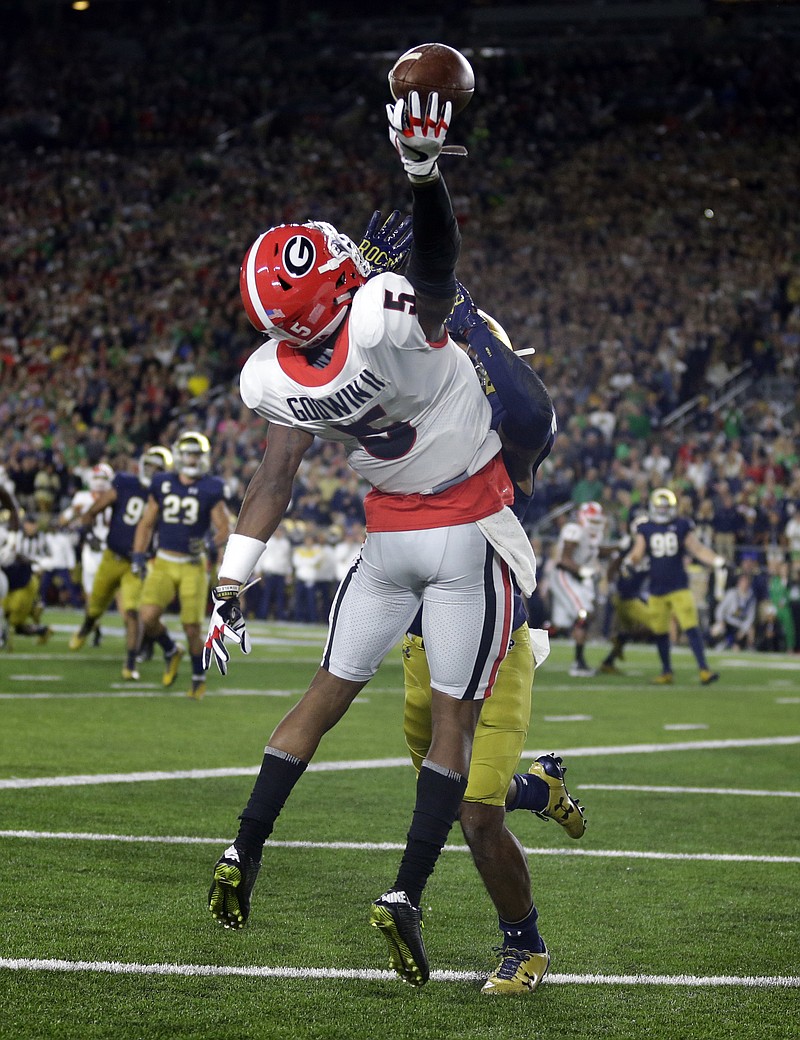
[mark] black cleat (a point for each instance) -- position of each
(231, 887)
(401, 924)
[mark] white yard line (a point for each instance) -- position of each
(82, 780)
(373, 975)
(737, 791)
(140, 690)
(391, 846)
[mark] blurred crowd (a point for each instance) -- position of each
(632, 214)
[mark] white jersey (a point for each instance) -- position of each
(587, 544)
(411, 415)
(81, 502)
(91, 554)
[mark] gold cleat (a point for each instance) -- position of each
(198, 690)
(561, 807)
(519, 971)
(171, 665)
(665, 679)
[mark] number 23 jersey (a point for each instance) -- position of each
(411, 414)
(184, 509)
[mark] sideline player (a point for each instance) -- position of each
(9, 526)
(664, 538)
(94, 539)
(125, 500)
(370, 364)
(572, 585)
(182, 507)
(24, 548)
(523, 415)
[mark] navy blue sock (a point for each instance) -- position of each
(532, 793)
(279, 773)
(696, 643)
(522, 935)
(198, 673)
(166, 642)
(662, 645)
(439, 794)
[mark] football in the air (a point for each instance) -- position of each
(433, 66)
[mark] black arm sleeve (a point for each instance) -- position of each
(437, 240)
(528, 409)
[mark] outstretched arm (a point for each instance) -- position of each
(432, 265)
(702, 552)
(418, 139)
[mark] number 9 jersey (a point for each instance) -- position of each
(411, 414)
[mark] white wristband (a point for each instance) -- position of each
(242, 553)
(719, 562)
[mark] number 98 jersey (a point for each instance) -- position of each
(665, 548)
(184, 509)
(411, 414)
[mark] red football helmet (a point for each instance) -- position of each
(297, 281)
(100, 477)
(591, 515)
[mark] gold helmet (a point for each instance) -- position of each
(192, 454)
(157, 459)
(663, 505)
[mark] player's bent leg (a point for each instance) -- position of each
(285, 759)
(499, 857)
(319, 709)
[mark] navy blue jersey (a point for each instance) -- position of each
(184, 509)
(665, 547)
(126, 512)
(520, 508)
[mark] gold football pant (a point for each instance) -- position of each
(502, 727)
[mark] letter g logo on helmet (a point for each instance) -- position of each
(299, 255)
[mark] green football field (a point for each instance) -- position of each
(675, 916)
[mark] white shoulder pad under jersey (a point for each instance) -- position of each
(411, 415)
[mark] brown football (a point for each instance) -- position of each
(433, 66)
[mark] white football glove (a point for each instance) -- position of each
(227, 622)
(419, 137)
(720, 578)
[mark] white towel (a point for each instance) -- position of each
(505, 533)
(540, 645)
